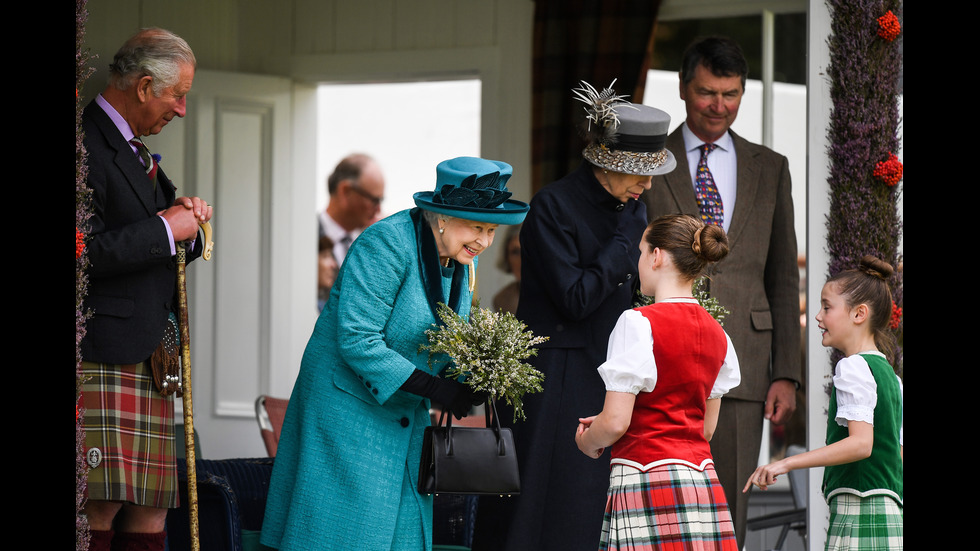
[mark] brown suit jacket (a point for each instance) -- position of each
(759, 279)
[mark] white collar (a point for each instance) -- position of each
(335, 231)
(691, 142)
(689, 300)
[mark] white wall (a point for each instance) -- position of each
(408, 127)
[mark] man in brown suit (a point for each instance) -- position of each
(759, 280)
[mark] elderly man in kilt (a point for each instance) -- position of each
(136, 223)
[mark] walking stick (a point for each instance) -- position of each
(185, 360)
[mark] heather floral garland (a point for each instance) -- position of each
(865, 66)
(83, 211)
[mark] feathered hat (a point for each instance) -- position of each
(624, 137)
(472, 188)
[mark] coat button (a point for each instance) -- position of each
(404, 421)
(620, 207)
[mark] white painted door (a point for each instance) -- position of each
(246, 149)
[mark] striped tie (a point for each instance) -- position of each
(148, 162)
(709, 200)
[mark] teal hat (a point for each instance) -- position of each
(473, 189)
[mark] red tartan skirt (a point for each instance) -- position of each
(129, 436)
(669, 507)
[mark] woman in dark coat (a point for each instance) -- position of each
(579, 252)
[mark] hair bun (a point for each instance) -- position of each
(876, 267)
(711, 243)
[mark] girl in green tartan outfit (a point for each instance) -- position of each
(863, 456)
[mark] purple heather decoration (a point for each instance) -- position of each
(83, 211)
(864, 73)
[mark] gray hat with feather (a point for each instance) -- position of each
(624, 137)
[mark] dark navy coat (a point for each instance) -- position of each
(579, 254)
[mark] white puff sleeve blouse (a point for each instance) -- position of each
(857, 391)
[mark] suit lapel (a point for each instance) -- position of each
(746, 186)
(679, 180)
(125, 159)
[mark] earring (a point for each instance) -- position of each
(441, 230)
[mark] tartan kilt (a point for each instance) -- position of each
(869, 523)
(669, 507)
(129, 436)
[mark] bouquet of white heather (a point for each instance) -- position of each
(488, 353)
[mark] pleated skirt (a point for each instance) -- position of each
(871, 523)
(669, 507)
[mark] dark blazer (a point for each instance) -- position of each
(759, 279)
(132, 275)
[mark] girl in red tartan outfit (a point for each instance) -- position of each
(667, 366)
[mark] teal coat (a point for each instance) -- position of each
(348, 459)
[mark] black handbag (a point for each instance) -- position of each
(469, 460)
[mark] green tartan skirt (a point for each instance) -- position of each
(864, 523)
(129, 436)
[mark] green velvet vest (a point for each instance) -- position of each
(882, 472)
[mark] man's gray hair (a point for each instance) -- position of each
(349, 168)
(156, 53)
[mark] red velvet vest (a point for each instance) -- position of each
(689, 347)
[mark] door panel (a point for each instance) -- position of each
(246, 304)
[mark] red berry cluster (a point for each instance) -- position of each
(888, 26)
(79, 243)
(890, 171)
(896, 316)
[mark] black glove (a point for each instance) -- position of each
(457, 397)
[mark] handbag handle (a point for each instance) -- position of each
(492, 423)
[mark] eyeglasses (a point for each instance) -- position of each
(368, 196)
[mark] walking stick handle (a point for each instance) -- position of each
(208, 242)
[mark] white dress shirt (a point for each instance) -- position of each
(336, 233)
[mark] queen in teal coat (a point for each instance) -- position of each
(347, 465)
